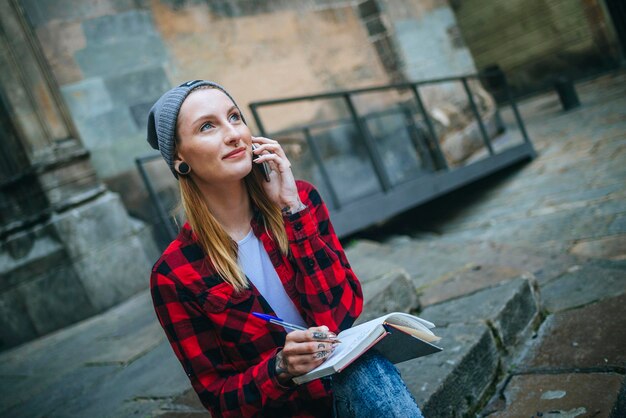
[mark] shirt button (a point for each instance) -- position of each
(310, 263)
(297, 226)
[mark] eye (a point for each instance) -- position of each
(205, 126)
(235, 116)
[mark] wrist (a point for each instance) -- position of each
(282, 374)
(290, 208)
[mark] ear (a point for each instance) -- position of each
(178, 158)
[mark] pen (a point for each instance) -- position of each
(278, 321)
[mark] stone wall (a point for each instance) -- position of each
(533, 40)
(113, 59)
(68, 248)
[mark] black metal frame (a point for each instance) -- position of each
(392, 198)
(158, 205)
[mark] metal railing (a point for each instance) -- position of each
(438, 176)
(424, 136)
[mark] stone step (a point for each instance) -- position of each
(108, 360)
(574, 367)
(438, 265)
(584, 284)
(479, 331)
(391, 292)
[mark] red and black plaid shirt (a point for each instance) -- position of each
(228, 354)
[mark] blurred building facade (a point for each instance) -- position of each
(68, 247)
(533, 41)
(114, 58)
(100, 65)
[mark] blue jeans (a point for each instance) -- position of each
(372, 387)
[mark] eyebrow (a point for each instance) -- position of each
(208, 115)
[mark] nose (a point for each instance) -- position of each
(231, 134)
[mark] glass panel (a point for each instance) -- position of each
(391, 131)
(346, 160)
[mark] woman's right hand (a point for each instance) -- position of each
(304, 351)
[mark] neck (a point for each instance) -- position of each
(230, 205)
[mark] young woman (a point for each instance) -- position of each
(248, 246)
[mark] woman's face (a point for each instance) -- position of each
(212, 137)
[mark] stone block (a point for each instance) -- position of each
(189, 400)
(87, 98)
(591, 337)
(108, 129)
(145, 235)
(56, 299)
(611, 247)
(140, 112)
(116, 28)
(369, 260)
(29, 254)
(40, 12)
(17, 325)
(59, 41)
(158, 374)
(618, 226)
(116, 58)
(560, 395)
(119, 157)
(93, 225)
(469, 279)
(123, 349)
(49, 400)
(450, 383)
(48, 363)
(427, 264)
(70, 184)
(508, 308)
(582, 285)
(113, 273)
(139, 86)
(392, 292)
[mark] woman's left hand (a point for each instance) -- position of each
(282, 186)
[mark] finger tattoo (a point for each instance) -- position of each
(321, 354)
(319, 335)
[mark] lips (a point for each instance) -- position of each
(234, 153)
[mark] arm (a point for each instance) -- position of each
(323, 275)
(330, 292)
(222, 389)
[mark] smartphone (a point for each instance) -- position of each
(265, 166)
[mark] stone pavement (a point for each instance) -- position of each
(524, 275)
(557, 223)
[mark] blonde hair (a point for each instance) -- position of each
(220, 248)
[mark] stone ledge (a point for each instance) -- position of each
(452, 382)
(550, 395)
(591, 337)
(581, 285)
(392, 292)
(369, 260)
(508, 309)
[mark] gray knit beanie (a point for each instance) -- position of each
(164, 113)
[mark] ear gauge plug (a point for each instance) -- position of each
(183, 168)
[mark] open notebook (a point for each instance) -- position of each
(398, 336)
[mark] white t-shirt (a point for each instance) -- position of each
(256, 264)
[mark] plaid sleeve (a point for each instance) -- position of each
(328, 286)
(223, 390)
